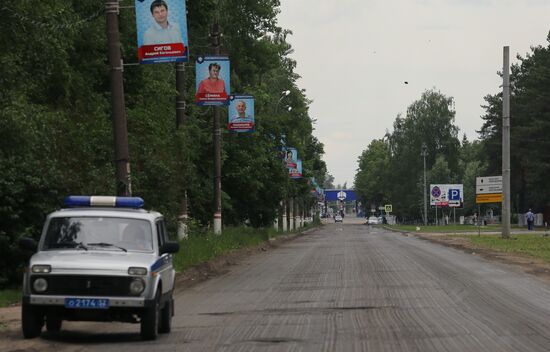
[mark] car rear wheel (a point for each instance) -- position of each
(53, 323)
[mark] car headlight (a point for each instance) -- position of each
(40, 285)
(41, 269)
(137, 271)
(137, 286)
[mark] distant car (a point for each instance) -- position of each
(373, 220)
(338, 218)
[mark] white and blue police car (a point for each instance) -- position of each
(100, 259)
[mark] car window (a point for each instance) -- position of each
(161, 232)
(76, 232)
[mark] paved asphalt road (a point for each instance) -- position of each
(349, 288)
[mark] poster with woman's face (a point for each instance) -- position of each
(212, 80)
(241, 113)
(291, 158)
(297, 171)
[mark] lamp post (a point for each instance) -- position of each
(284, 93)
(424, 153)
(283, 204)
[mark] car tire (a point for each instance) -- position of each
(53, 323)
(166, 316)
(32, 320)
(150, 320)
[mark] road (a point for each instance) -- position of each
(346, 287)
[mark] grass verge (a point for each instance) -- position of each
(447, 228)
(535, 246)
(199, 248)
(9, 297)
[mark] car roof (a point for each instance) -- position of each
(107, 212)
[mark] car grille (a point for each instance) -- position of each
(86, 285)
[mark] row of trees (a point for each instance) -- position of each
(56, 130)
(391, 168)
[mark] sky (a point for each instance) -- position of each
(354, 57)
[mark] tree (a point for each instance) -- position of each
(530, 121)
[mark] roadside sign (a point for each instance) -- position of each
(489, 189)
(488, 180)
(447, 195)
(388, 208)
(489, 198)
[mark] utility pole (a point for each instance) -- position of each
(424, 153)
(118, 115)
(506, 144)
(216, 139)
(180, 122)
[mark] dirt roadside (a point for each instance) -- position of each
(527, 264)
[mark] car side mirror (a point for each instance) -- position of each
(170, 247)
(28, 244)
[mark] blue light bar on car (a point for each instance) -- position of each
(104, 201)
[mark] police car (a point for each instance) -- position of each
(100, 259)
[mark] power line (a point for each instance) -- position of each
(55, 26)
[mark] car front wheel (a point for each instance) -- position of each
(150, 320)
(32, 320)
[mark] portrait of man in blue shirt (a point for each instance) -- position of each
(162, 31)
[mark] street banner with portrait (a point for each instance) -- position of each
(161, 31)
(212, 80)
(445, 195)
(241, 113)
(296, 172)
(290, 157)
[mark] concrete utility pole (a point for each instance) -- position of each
(216, 139)
(506, 144)
(122, 163)
(180, 122)
(424, 153)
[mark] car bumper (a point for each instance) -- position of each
(114, 302)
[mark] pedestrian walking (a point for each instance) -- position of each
(530, 217)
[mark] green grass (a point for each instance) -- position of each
(9, 296)
(535, 246)
(200, 248)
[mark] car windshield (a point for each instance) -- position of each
(104, 233)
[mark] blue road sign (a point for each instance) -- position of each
(454, 194)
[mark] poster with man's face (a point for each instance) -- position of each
(212, 80)
(241, 113)
(161, 31)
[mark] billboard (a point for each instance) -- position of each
(161, 27)
(291, 157)
(241, 113)
(447, 195)
(212, 80)
(296, 172)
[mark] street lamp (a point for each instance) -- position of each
(424, 153)
(284, 93)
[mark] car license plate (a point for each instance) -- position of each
(87, 303)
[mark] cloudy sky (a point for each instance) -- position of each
(355, 55)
